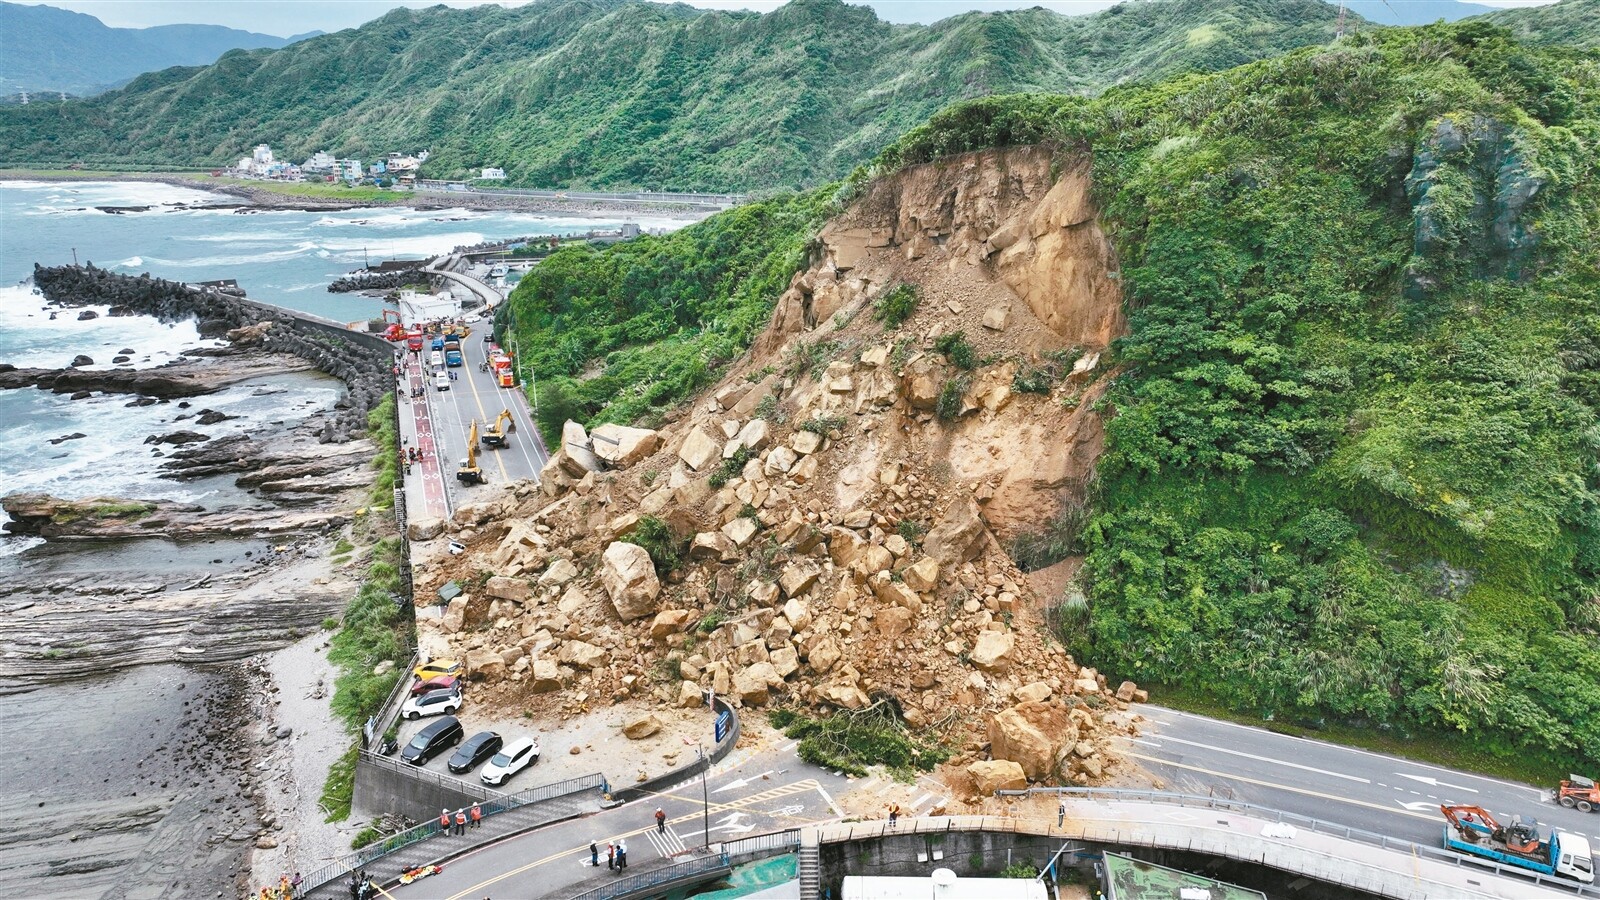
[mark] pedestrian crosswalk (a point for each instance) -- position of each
(667, 842)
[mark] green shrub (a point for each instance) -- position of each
(711, 621)
(1057, 540)
(851, 740)
(666, 549)
(948, 406)
(911, 531)
(822, 424)
(339, 790)
(729, 468)
(955, 348)
(897, 304)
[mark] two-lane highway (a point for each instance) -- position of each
(1373, 791)
(475, 396)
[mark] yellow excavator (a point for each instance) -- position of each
(495, 437)
(469, 473)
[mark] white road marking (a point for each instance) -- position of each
(1268, 759)
(742, 782)
(919, 801)
(788, 747)
(831, 805)
(1434, 782)
(1417, 805)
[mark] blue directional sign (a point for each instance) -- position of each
(724, 720)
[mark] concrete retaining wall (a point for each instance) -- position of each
(393, 789)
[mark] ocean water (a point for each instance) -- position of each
(278, 256)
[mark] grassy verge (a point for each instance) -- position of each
(1455, 751)
(375, 628)
(337, 191)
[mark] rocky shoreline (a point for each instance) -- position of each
(365, 370)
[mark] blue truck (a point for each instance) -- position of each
(438, 344)
(1474, 832)
(452, 358)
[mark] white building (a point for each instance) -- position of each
(348, 169)
(416, 309)
(262, 155)
(493, 174)
(321, 161)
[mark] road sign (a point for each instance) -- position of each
(724, 721)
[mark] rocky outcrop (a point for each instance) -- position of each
(42, 515)
(630, 580)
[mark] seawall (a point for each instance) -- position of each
(362, 361)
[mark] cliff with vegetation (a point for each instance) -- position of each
(613, 93)
(1349, 468)
(1573, 23)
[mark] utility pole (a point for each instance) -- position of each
(705, 799)
(74, 257)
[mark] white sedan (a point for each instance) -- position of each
(512, 758)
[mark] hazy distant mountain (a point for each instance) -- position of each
(1413, 12)
(43, 48)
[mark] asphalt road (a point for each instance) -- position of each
(748, 793)
(1372, 791)
(474, 396)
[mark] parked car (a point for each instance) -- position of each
(442, 381)
(437, 683)
(512, 758)
(430, 741)
(475, 750)
(436, 668)
(433, 703)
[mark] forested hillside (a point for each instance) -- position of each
(613, 93)
(49, 49)
(1575, 23)
(1353, 470)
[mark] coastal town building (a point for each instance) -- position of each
(493, 174)
(347, 169)
(321, 162)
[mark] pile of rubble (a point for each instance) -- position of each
(821, 536)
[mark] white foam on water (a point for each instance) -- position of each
(29, 338)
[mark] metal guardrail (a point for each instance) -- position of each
(761, 845)
(1316, 825)
(493, 805)
(695, 869)
(372, 733)
(439, 779)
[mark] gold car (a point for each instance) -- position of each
(437, 668)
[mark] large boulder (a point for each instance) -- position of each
(484, 663)
(1033, 735)
(455, 615)
(990, 775)
(582, 655)
(960, 536)
(547, 677)
(750, 685)
(642, 726)
(623, 446)
(577, 446)
(669, 622)
(699, 451)
(514, 589)
(424, 529)
(560, 572)
(993, 651)
(797, 578)
(629, 578)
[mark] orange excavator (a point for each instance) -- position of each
(1580, 793)
(1474, 824)
(1474, 832)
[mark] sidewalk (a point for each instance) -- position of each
(425, 491)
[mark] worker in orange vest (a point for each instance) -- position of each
(477, 815)
(444, 821)
(461, 821)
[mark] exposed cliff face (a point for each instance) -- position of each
(841, 498)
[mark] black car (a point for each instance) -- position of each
(446, 732)
(477, 748)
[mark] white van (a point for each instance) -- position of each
(435, 360)
(442, 381)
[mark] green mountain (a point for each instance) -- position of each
(50, 49)
(614, 93)
(1575, 23)
(1353, 459)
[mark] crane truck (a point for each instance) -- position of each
(1580, 792)
(469, 471)
(1473, 831)
(495, 437)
